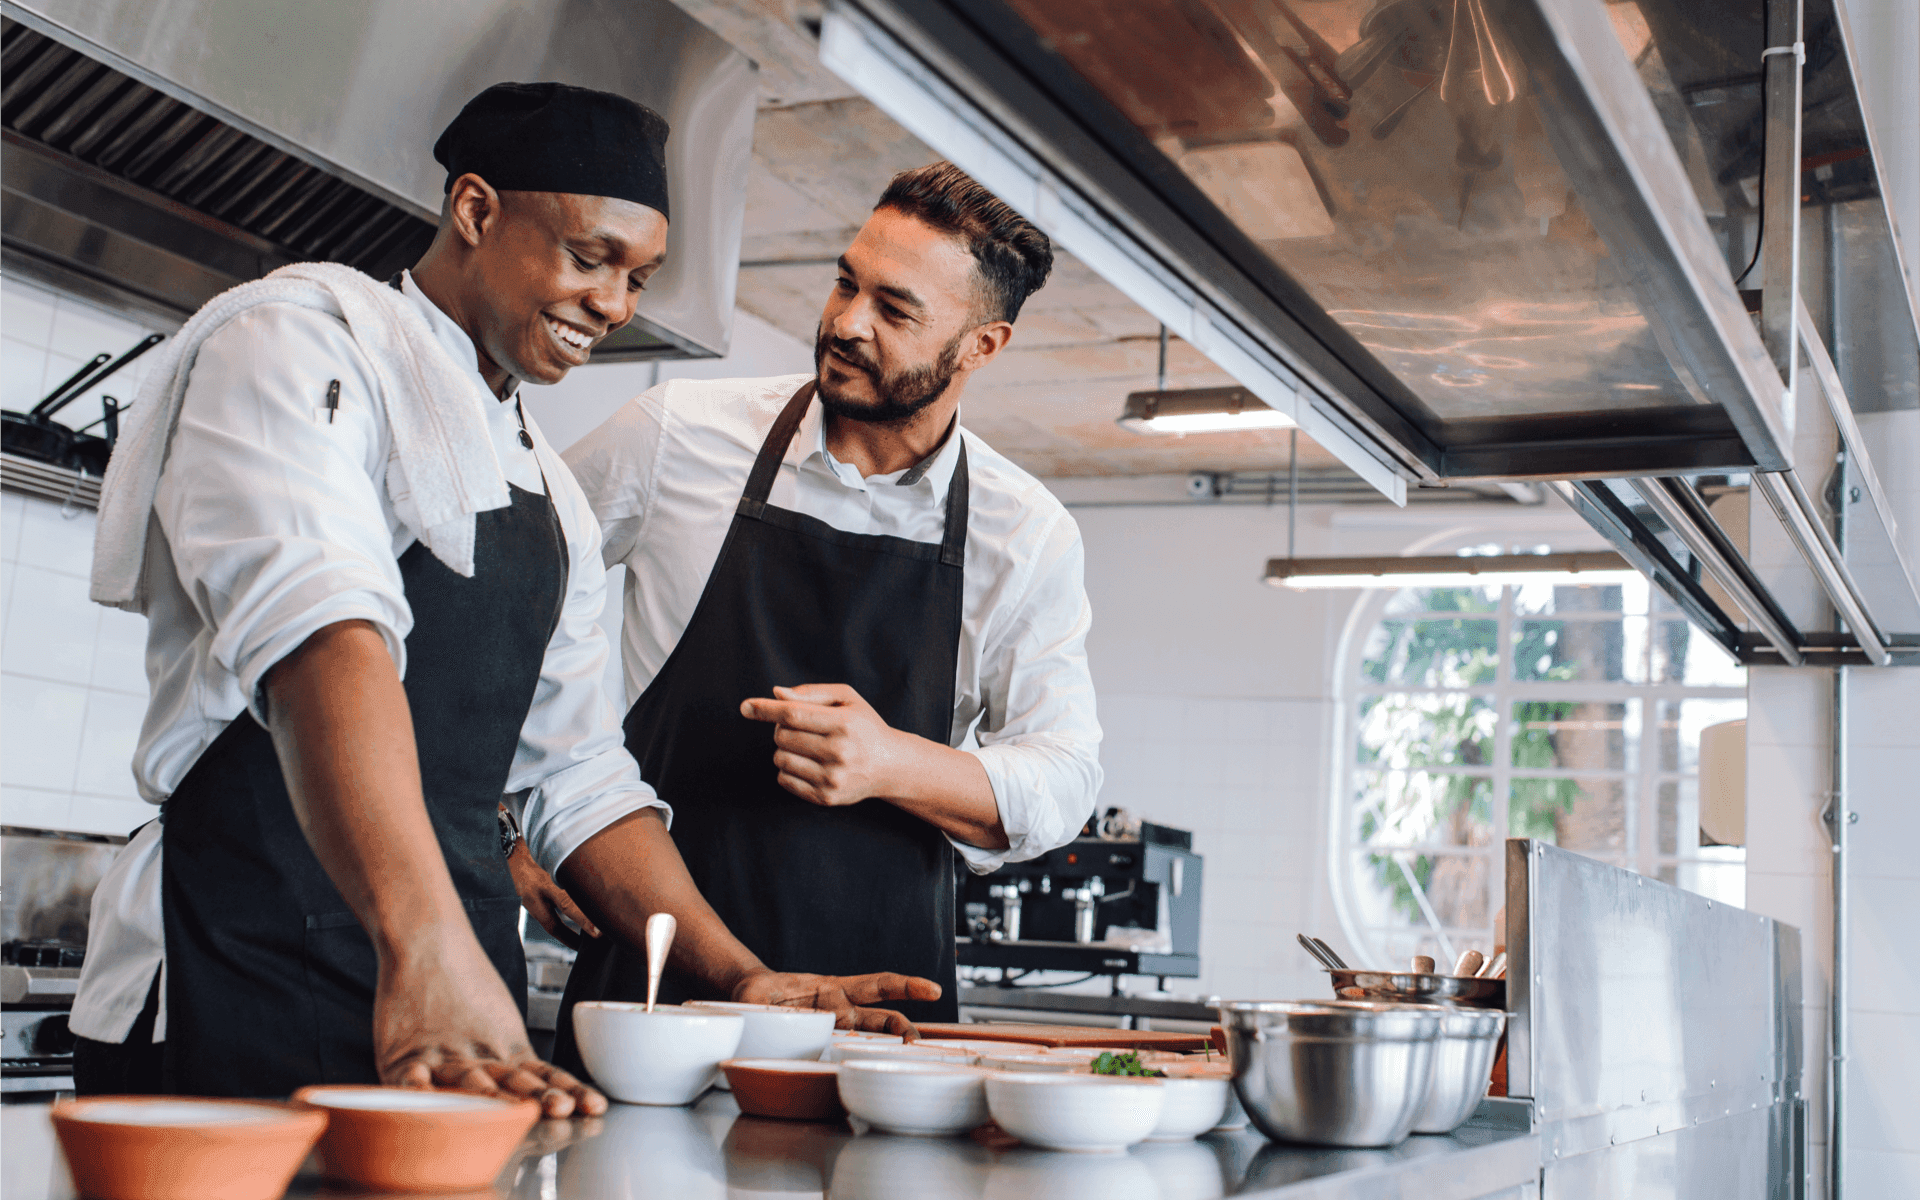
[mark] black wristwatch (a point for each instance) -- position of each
(509, 831)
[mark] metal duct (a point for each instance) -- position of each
(163, 149)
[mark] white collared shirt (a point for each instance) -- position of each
(665, 473)
(277, 523)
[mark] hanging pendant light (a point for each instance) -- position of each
(1593, 569)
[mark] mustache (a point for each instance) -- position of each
(850, 351)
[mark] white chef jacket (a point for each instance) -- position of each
(665, 473)
(274, 522)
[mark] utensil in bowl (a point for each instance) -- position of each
(915, 1096)
(1462, 1062)
(790, 1089)
(1335, 1073)
(667, 1056)
(177, 1148)
(410, 1140)
(1076, 1112)
(1312, 946)
(660, 930)
(1404, 987)
(1338, 963)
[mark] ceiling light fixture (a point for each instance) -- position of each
(1198, 410)
(1451, 570)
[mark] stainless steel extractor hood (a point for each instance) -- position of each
(1560, 240)
(158, 151)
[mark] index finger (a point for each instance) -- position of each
(886, 985)
(794, 714)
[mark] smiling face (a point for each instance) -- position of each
(901, 322)
(548, 275)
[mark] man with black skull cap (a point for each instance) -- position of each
(371, 588)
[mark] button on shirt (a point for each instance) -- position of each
(665, 473)
(273, 521)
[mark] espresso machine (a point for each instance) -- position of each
(1127, 904)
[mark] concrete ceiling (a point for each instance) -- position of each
(822, 155)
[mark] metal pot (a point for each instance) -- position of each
(1336, 1073)
(1462, 1061)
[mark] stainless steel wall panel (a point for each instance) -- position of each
(1718, 1160)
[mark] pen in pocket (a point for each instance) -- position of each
(333, 399)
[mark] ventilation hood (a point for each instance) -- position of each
(1585, 243)
(157, 152)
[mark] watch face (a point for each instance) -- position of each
(508, 835)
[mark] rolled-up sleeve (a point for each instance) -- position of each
(572, 763)
(1039, 733)
(271, 503)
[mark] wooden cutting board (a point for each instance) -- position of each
(1068, 1035)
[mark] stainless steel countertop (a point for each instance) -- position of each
(711, 1151)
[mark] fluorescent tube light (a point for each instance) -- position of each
(1200, 410)
(1450, 570)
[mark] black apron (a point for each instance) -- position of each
(836, 891)
(270, 977)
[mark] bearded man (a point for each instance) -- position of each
(831, 587)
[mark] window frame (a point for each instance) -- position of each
(1644, 776)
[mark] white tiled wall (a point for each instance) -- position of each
(73, 686)
(72, 683)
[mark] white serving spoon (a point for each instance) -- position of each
(660, 930)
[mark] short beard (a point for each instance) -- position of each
(900, 396)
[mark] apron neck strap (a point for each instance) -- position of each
(953, 542)
(774, 449)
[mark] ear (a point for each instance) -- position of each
(983, 344)
(473, 208)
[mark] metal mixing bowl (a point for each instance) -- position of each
(1337, 1073)
(1462, 1059)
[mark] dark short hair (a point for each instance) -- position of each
(1011, 257)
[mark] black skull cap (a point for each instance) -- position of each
(554, 137)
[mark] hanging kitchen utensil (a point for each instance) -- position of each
(35, 434)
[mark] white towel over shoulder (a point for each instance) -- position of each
(443, 467)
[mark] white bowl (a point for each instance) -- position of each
(774, 1031)
(1076, 1112)
(667, 1056)
(917, 1051)
(915, 1096)
(862, 1035)
(1195, 1103)
(1044, 1063)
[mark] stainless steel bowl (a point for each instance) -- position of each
(1336, 1073)
(1462, 1059)
(1405, 987)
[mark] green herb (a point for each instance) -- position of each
(1129, 1063)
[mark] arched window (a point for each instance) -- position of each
(1471, 715)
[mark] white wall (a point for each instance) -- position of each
(1217, 694)
(73, 686)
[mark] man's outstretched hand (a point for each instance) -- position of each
(849, 997)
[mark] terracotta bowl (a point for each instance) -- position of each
(180, 1148)
(411, 1140)
(794, 1090)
